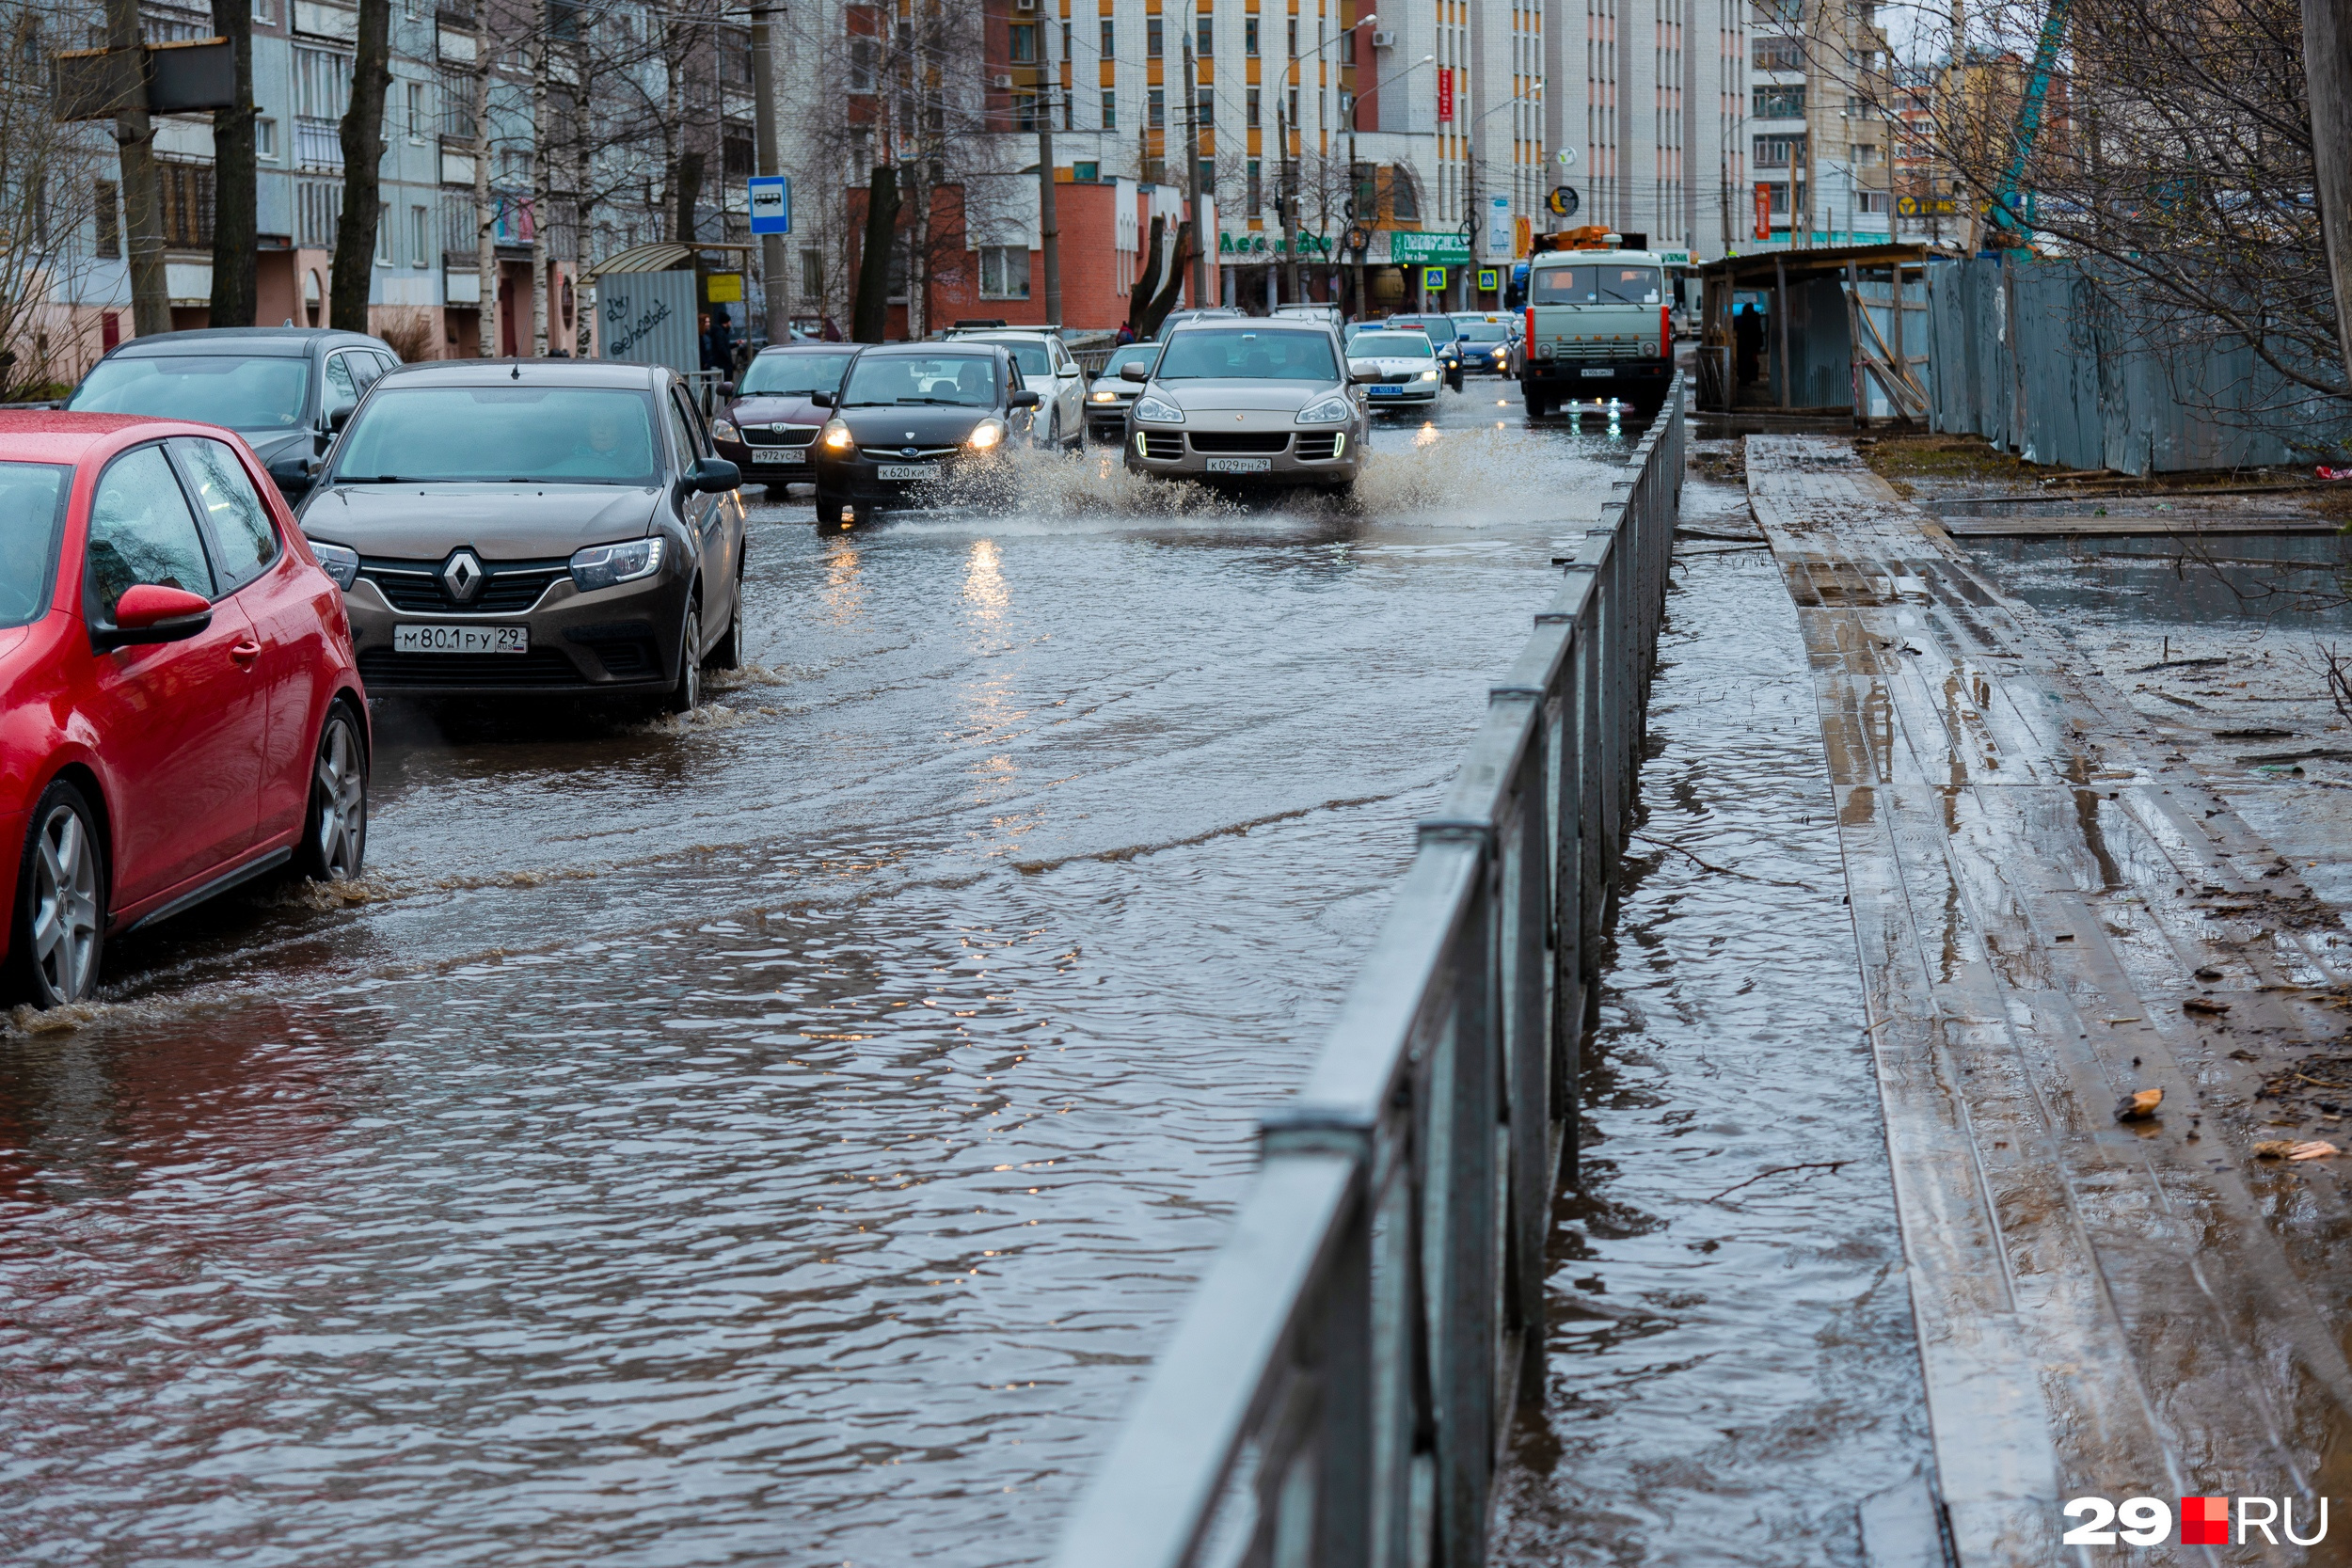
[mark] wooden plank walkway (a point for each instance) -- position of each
(2053, 911)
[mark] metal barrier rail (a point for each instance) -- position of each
(1339, 1392)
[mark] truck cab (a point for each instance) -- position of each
(1598, 324)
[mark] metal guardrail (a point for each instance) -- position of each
(1339, 1392)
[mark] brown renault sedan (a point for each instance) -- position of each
(532, 525)
(1250, 401)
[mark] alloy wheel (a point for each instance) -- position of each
(65, 906)
(340, 781)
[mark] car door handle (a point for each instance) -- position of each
(244, 651)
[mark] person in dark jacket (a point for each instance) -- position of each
(719, 342)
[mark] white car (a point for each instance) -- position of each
(1330, 315)
(1047, 370)
(1108, 399)
(1408, 367)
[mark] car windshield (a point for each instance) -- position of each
(522, 434)
(1028, 352)
(242, 391)
(1485, 332)
(785, 375)
(32, 497)
(959, 380)
(1438, 329)
(1238, 354)
(1608, 284)
(1133, 354)
(1391, 345)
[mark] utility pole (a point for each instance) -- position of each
(1201, 235)
(142, 197)
(1048, 225)
(771, 278)
(2328, 74)
(1289, 196)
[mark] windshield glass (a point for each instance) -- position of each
(32, 504)
(523, 435)
(242, 391)
(1391, 345)
(1029, 354)
(1231, 354)
(1133, 354)
(1485, 332)
(784, 375)
(1611, 284)
(962, 380)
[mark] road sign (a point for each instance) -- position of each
(723, 288)
(1564, 202)
(1568, 157)
(771, 204)
(1489, 279)
(1433, 278)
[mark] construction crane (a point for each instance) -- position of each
(2011, 227)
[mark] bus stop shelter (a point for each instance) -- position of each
(1820, 332)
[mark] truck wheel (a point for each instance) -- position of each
(1537, 406)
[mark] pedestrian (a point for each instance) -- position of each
(1126, 333)
(718, 341)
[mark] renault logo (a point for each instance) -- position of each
(462, 576)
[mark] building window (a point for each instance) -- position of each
(1208, 175)
(265, 140)
(1257, 191)
(1251, 99)
(1347, 103)
(1151, 40)
(1204, 106)
(265, 12)
(1157, 104)
(420, 236)
(1779, 54)
(1025, 111)
(420, 122)
(736, 152)
(103, 198)
(1204, 35)
(1871, 201)
(1024, 43)
(1347, 47)
(1404, 201)
(861, 65)
(186, 190)
(1779, 102)
(1779, 152)
(1003, 272)
(1249, 36)
(812, 274)
(384, 257)
(1110, 109)
(1110, 37)
(318, 208)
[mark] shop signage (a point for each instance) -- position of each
(1445, 94)
(1263, 243)
(1447, 249)
(1564, 202)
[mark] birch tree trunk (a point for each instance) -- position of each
(540, 205)
(485, 255)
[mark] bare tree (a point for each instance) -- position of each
(48, 172)
(235, 222)
(353, 270)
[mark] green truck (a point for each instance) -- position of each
(1599, 325)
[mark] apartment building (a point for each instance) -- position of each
(1821, 142)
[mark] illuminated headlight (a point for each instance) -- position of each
(838, 436)
(723, 430)
(340, 564)
(1106, 397)
(1429, 375)
(1502, 354)
(986, 433)
(1331, 410)
(602, 566)
(1158, 410)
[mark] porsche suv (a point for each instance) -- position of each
(1252, 402)
(542, 526)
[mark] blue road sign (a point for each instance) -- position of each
(771, 204)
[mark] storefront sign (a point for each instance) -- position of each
(1263, 243)
(1445, 94)
(1409, 249)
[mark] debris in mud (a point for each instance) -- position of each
(2204, 1005)
(2139, 1105)
(2288, 1148)
(2209, 972)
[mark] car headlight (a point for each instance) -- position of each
(602, 566)
(1429, 375)
(986, 433)
(340, 564)
(1330, 410)
(723, 430)
(1158, 410)
(1502, 353)
(838, 436)
(1106, 397)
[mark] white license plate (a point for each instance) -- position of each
(771, 456)
(461, 640)
(1240, 464)
(904, 470)
(1603, 370)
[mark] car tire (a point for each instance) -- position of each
(59, 935)
(727, 653)
(334, 843)
(687, 695)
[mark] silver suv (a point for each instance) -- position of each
(1250, 401)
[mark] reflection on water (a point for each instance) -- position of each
(1730, 1368)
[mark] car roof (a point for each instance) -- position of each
(279, 340)
(783, 350)
(927, 350)
(55, 435)
(539, 372)
(1254, 324)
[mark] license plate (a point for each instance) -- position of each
(1603, 370)
(1385, 391)
(793, 455)
(1240, 464)
(461, 640)
(904, 470)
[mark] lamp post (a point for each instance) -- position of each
(1290, 185)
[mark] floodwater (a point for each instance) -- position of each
(782, 1136)
(1730, 1369)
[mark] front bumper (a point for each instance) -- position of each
(1589, 380)
(1410, 394)
(855, 479)
(769, 465)
(615, 640)
(1108, 420)
(1187, 451)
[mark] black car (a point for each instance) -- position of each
(283, 388)
(907, 415)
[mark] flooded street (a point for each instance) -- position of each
(783, 1136)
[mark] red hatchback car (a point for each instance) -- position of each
(179, 706)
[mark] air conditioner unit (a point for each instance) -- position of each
(1004, 80)
(1024, 4)
(1383, 38)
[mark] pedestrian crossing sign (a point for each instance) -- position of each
(1432, 277)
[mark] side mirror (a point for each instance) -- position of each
(1026, 399)
(726, 388)
(295, 472)
(715, 476)
(338, 418)
(1134, 370)
(1362, 370)
(150, 613)
(823, 400)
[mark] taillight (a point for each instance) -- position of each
(1665, 332)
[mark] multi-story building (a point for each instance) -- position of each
(1820, 144)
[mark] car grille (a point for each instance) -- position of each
(1319, 448)
(790, 435)
(900, 454)
(508, 587)
(386, 670)
(1595, 351)
(1166, 445)
(1261, 441)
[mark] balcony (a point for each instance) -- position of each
(318, 145)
